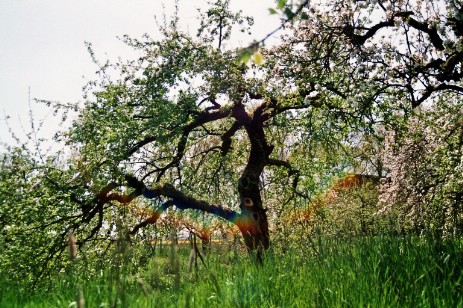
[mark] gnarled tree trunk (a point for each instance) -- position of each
(253, 222)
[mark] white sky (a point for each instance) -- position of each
(42, 45)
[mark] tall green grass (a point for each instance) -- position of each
(341, 272)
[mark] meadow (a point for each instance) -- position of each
(330, 272)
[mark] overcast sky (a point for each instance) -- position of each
(42, 45)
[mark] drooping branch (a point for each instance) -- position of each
(178, 199)
(93, 208)
(90, 209)
(153, 218)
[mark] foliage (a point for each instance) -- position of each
(31, 211)
(425, 165)
(348, 208)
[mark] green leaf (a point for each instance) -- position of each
(290, 14)
(244, 55)
(281, 4)
(272, 11)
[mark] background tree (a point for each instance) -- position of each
(402, 57)
(31, 214)
(424, 189)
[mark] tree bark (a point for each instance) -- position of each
(253, 222)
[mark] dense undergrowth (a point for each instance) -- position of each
(332, 272)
